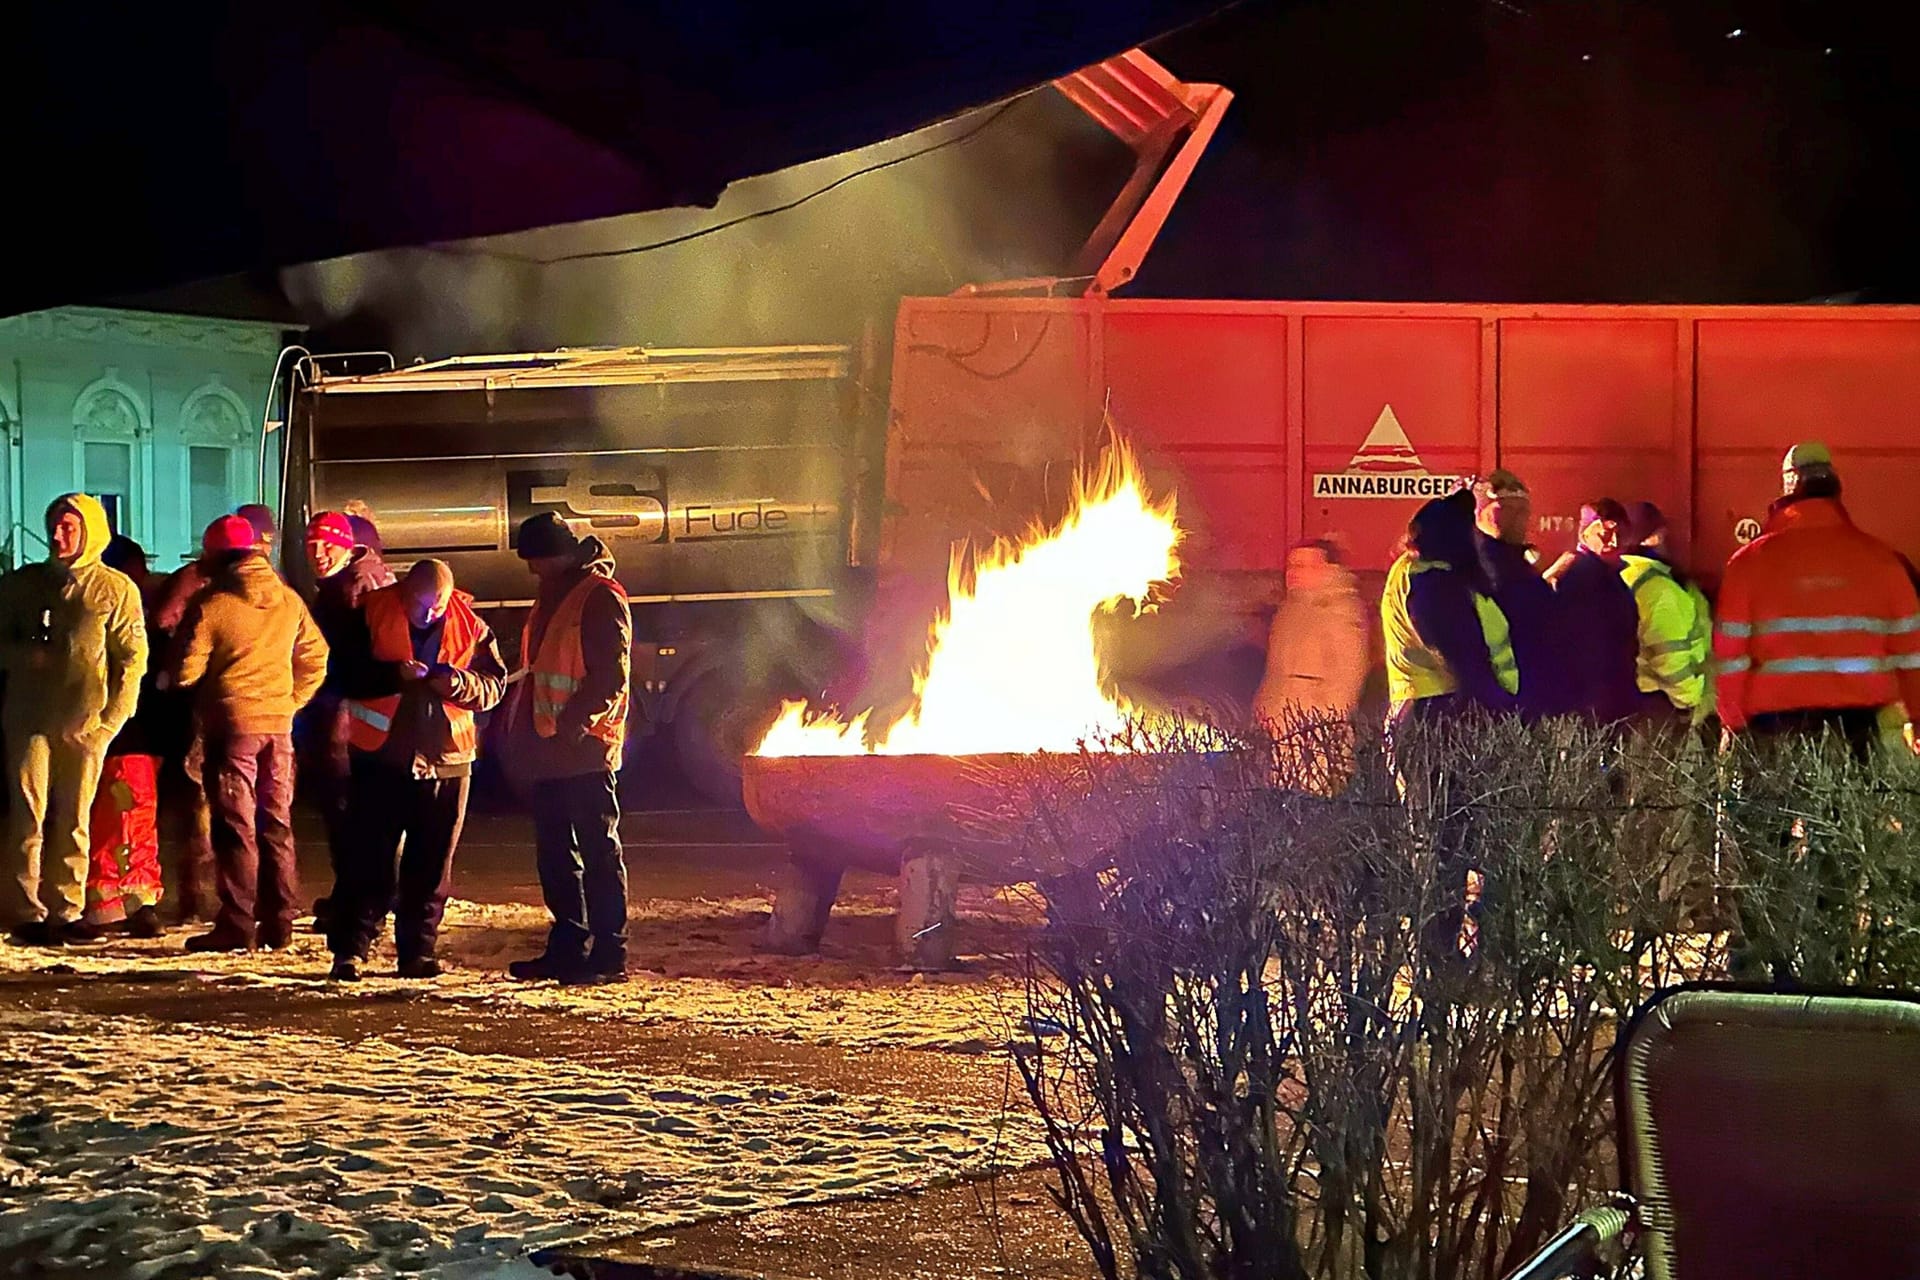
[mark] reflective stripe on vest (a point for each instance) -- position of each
(370, 720)
(1415, 670)
(559, 669)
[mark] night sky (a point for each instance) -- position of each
(1477, 150)
(1565, 150)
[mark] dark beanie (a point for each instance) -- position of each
(364, 534)
(545, 535)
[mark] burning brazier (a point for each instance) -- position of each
(878, 813)
(1011, 670)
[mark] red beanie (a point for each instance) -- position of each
(228, 533)
(333, 529)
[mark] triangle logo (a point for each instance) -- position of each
(1385, 466)
(1386, 447)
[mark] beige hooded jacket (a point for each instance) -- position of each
(73, 640)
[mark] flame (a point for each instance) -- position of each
(1012, 666)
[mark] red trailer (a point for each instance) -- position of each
(1278, 422)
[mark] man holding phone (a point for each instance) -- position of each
(416, 670)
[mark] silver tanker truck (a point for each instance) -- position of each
(729, 484)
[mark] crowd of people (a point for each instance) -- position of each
(1817, 629)
(190, 701)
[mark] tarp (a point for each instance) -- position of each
(156, 144)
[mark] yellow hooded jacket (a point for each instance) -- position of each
(73, 641)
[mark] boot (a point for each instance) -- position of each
(274, 937)
(421, 968)
(145, 923)
(345, 969)
(79, 932)
(217, 939)
(607, 964)
(548, 966)
(40, 933)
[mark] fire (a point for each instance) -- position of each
(1012, 666)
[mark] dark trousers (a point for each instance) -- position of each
(319, 736)
(576, 830)
(1756, 954)
(186, 826)
(402, 832)
(249, 781)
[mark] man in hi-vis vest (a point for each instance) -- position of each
(568, 734)
(415, 665)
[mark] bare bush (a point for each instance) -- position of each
(1303, 1007)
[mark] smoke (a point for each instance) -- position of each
(1014, 199)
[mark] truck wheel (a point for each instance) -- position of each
(713, 727)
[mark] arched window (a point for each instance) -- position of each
(111, 428)
(218, 441)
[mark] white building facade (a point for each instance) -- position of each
(160, 416)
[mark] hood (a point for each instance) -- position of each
(93, 516)
(595, 558)
(1797, 512)
(368, 567)
(253, 580)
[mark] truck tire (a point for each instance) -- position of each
(714, 725)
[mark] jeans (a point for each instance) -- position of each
(249, 781)
(576, 826)
(389, 806)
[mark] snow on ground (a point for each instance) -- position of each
(154, 1152)
(781, 997)
(167, 1151)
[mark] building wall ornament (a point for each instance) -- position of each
(146, 328)
(214, 414)
(110, 409)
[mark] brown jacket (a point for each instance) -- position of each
(251, 650)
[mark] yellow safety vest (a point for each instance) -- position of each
(1415, 669)
(1676, 635)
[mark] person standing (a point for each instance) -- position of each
(1818, 632)
(1819, 624)
(345, 572)
(254, 657)
(1449, 652)
(416, 669)
(1503, 517)
(266, 530)
(568, 732)
(1598, 624)
(1316, 666)
(1448, 644)
(73, 644)
(186, 821)
(1675, 662)
(123, 879)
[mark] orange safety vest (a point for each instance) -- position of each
(558, 669)
(370, 720)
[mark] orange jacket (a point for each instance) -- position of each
(1815, 614)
